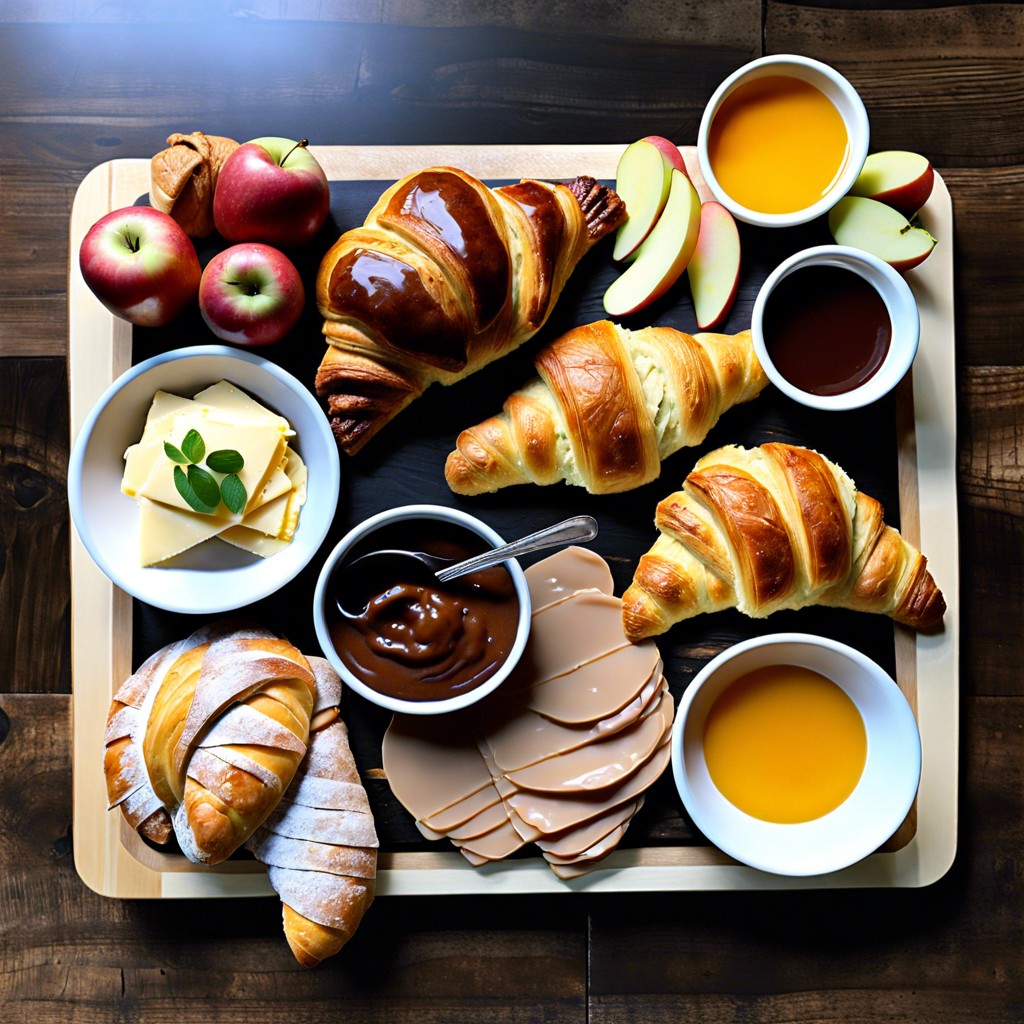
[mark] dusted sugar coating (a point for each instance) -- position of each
(444, 276)
(775, 527)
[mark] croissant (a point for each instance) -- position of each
(444, 276)
(320, 844)
(184, 176)
(608, 405)
(213, 743)
(775, 527)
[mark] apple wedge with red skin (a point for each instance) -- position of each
(714, 268)
(669, 150)
(663, 255)
(642, 180)
(271, 190)
(141, 265)
(251, 294)
(898, 178)
(880, 230)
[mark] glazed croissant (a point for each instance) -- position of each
(320, 844)
(775, 527)
(444, 276)
(608, 405)
(183, 178)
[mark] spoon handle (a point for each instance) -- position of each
(577, 528)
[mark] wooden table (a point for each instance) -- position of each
(84, 83)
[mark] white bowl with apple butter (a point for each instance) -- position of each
(835, 328)
(408, 642)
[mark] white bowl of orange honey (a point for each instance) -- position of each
(782, 140)
(795, 754)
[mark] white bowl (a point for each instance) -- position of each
(899, 302)
(858, 826)
(323, 595)
(846, 101)
(212, 577)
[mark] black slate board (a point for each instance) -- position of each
(405, 463)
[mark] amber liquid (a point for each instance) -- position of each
(826, 329)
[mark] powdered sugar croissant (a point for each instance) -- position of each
(775, 527)
(444, 276)
(607, 407)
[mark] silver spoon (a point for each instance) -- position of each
(395, 563)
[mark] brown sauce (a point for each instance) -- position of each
(826, 329)
(417, 639)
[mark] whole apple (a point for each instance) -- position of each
(140, 264)
(271, 190)
(251, 294)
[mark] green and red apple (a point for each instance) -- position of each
(251, 294)
(880, 230)
(141, 265)
(898, 178)
(714, 268)
(642, 181)
(663, 255)
(271, 190)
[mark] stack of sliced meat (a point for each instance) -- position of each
(562, 754)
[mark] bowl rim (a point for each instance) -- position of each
(857, 828)
(855, 117)
(400, 513)
(196, 604)
(899, 302)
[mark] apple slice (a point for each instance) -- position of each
(691, 162)
(642, 182)
(669, 150)
(664, 254)
(879, 229)
(897, 178)
(714, 268)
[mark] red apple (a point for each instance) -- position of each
(251, 294)
(663, 255)
(691, 161)
(271, 190)
(642, 180)
(140, 265)
(879, 229)
(714, 268)
(669, 150)
(897, 178)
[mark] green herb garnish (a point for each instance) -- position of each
(197, 486)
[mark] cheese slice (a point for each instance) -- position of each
(252, 541)
(279, 517)
(165, 532)
(236, 406)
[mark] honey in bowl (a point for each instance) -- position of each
(777, 144)
(785, 744)
(826, 329)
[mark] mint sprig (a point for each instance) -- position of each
(198, 487)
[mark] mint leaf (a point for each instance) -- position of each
(204, 485)
(232, 492)
(174, 454)
(193, 446)
(225, 460)
(188, 493)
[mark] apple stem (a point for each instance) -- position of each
(132, 241)
(301, 144)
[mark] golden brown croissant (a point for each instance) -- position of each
(183, 178)
(320, 844)
(444, 276)
(608, 405)
(215, 741)
(775, 527)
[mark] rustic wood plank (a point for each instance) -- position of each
(66, 953)
(35, 594)
(948, 953)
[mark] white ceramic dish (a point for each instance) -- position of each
(212, 577)
(323, 595)
(845, 99)
(864, 821)
(899, 302)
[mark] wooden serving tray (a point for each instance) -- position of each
(901, 451)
